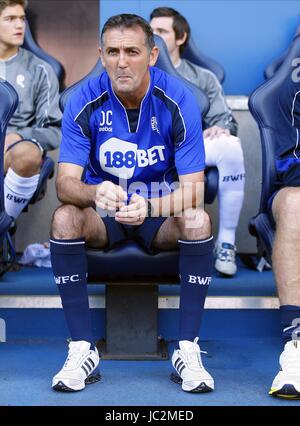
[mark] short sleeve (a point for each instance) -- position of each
(75, 144)
(189, 146)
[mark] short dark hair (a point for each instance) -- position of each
(180, 24)
(127, 20)
(5, 3)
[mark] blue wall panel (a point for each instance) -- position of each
(244, 36)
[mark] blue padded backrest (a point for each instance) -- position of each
(274, 66)
(97, 70)
(263, 105)
(164, 62)
(8, 104)
(32, 46)
(193, 54)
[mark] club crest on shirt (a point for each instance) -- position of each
(20, 79)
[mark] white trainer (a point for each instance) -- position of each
(287, 382)
(79, 368)
(225, 259)
(191, 374)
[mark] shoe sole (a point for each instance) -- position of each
(202, 388)
(61, 387)
(286, 392)
(225, 273)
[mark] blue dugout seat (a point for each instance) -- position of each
(271, 69)
(262, 105)
(193, 54)
(132, 275)
(8, 105)
(31, 45)
(274, 66)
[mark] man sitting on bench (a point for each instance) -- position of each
(34, 126)
(130, 128)
(284, 214)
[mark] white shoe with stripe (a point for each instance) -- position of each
(79, 369)
(191, 374)
(225, 263)
(287, 382)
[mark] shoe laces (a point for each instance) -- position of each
(75, 355)
(290, 357)
(225, 252)
(194, 356)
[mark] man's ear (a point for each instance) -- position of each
(182, 40)
(153, 56)
(101, 56)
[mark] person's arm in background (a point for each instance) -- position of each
(46, 127)
(219, 114)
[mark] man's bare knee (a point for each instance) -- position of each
(286, 207)
(67, 222)
(25, 159)
(194, 225)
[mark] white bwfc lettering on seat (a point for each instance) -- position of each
(119, 157)
(66, 279)
(195, 279)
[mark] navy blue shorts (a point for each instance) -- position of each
(143, 234)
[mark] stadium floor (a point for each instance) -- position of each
(243, 349)
(243, 370)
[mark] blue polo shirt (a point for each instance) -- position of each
(166, 142)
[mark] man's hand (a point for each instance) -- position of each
(10, 139)
(134, 213)
(110, 196)
(215, 132)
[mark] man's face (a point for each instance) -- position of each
(12, 26)
(126, 58)
(163, 26)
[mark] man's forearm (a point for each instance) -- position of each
(71, 190)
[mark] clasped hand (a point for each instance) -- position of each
(111, 197)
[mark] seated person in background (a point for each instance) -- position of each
(222, 147)
(129, 126)
(34, 126)
(285, 211)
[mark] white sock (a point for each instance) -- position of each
(18, 191)
(226, 154)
